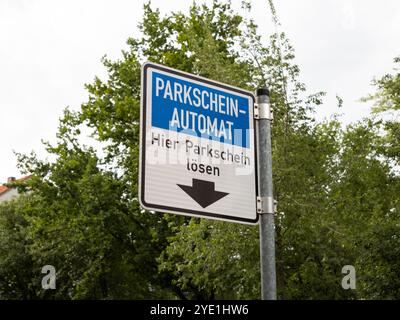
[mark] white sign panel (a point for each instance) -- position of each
(197, 153)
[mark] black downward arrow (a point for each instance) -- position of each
(203, 192)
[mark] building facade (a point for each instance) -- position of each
(7, 193)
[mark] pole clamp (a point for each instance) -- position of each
(263, 111)
(266, 205)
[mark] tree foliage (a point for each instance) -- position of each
(337, 188)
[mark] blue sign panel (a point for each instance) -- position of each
(199, 110)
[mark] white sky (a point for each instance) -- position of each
(50, 49)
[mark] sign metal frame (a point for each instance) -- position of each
(142, 151)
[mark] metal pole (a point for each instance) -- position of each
(267, 227)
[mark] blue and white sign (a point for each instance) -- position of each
(197, 153)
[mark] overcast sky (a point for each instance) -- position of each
(50, 49)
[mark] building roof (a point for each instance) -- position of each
(4, 189)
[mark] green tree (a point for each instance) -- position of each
(337, 188)
(16, 263)
(379, 246)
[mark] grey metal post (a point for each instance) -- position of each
(266, 211)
